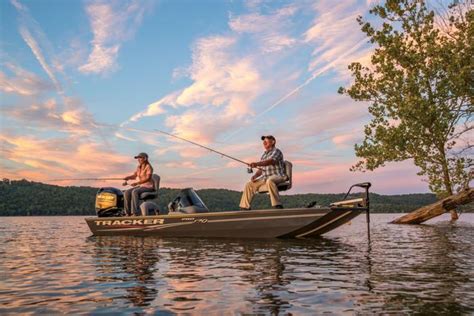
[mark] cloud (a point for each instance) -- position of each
(219, 77)
(224, 85)
(348, 139)
(396, 178)
(112, 24)
(270, 30)
(181, 165)
(201, 127)
(69, 116)
(23, 82)
(155, 108)
(333, 51)
(36, 40)
(41, 159)
(35, 48)
(328, 116)
(224, 80)
(335, 32)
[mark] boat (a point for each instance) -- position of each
(188, 216)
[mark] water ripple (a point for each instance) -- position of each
(51, 265)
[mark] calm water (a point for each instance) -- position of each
(52, 265)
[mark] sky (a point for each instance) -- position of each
(85, 85)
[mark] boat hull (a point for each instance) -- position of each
(287, 223)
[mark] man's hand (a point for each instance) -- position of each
(134, 184)
(253, 165)
(254, 178)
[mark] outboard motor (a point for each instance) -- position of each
(109, 202)
(188, 202)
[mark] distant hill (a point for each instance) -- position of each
(33, 198)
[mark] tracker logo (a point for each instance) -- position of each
(155, 221)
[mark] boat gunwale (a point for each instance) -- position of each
(233, 213)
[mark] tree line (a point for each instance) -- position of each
(23, 198)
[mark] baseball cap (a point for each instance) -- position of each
(268, 136)
(142, 155)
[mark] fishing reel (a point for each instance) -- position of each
(249, 170)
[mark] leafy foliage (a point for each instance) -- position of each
(32, 198)
(420, 87)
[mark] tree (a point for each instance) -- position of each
(420, 88)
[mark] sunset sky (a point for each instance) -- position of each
(84, 84)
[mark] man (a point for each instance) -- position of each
(143, 175)
(271, 171)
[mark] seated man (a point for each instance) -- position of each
(271, 171)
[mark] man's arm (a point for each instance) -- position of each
(273, 160)
(257, 175)
(263, 163)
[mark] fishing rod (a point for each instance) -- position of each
(125, 183)
(249, 169)
(85, 179)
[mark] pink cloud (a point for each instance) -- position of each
(348, 139)
(392, 179)
(43, 159)
(69, 116)
(327, 117)
(23, 82)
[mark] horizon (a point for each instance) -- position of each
(81, 100)
(281, 193)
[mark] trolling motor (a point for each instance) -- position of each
(365, 186)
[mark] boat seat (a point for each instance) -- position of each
(156, 185)
(286, 185)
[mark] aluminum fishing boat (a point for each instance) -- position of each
(187, 216)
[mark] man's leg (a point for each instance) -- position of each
(273, 189)
(135, 205)
(127, 198)
(249, 192)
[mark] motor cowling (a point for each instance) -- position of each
(109, 202)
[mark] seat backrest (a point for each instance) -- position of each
(285, 185)
(156, 182)
(289, 174)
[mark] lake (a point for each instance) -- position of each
(51, 265)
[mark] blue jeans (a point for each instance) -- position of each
(131, 200)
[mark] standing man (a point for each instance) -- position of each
(144, 183)
(271, 171)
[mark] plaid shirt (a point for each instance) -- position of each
(278, 169)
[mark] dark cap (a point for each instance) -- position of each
(269, 137)
(141, 155)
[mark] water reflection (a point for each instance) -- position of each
(129, 263)
(51, 266)
(424, 269)
(200, 275)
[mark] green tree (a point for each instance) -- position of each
(420, 90)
